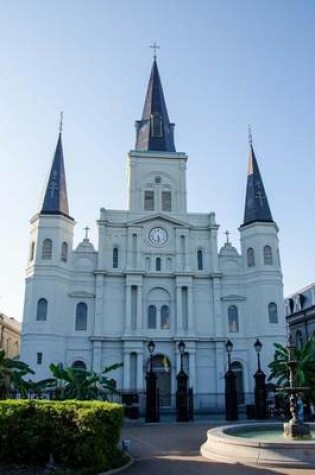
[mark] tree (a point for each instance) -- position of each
(305, 366)
(12, 373)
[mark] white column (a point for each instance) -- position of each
(128, 309)
(140, 370)
(179, 310)
(217, 307)
(139, 308)
(126, 369)
(97, 356)
(99, 285)
(190, 310)
(192, 369)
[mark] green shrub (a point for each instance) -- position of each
(79, 434)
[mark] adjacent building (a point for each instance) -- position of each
(10, 336)
(300, 314)
(157, 274)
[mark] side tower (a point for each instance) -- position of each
(48, 274)
(262, 268)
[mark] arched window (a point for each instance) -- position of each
(32, 251)
(165, 317)
(237, 368)
(78, 364)
(47, 249)
(267, 256)
(81, 316)
(273, 313)
(115, 257)
(42, 307)
(64, 252)
(149, 200)
(147, 264)
(158, 264)
(299, 339)
(152, 317)
(199, 260)
(250, 257)
(233, 318)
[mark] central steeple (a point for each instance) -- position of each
(155, 133)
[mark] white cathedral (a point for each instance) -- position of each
(157, 274)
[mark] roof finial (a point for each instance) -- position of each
(250, 136)
(60, 122)
(154, 47)
(86, 229)
(227, 233)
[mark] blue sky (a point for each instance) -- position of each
(224, 64)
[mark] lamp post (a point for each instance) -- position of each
(151, 408)
(182, 410)
(231, 402)
(260, 387)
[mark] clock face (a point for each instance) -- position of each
(158, 236)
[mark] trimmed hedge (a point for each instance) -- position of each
(79, 434)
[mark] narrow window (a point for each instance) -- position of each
(149, 200)
(165, 317)
(64, 252)
(166, 201)
(115, 257)
(81, 316)
(156, 126)
(199, 260)
(152, 317)
(32, 251)
(233, 318)
(133, 371)
(39, 358)
(147, 264)
(250, 257)
(134, 290)
(267, 256)
(42, 306)
(273, 313)
(47, 249)
(169, 264)
(158, 264)
(299, 340)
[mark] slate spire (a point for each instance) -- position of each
(154, 131)
(56, 199)
(256, 203)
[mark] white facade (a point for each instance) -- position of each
(157, 274)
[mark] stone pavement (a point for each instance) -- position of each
(173, 449)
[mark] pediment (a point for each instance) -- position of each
(158, 217)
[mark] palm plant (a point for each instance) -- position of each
(78, 383)
(305, 366)
(12, 374)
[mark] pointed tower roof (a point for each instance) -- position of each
(154, 130)
(256, 204)
(56, 198)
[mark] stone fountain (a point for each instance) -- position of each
(269, 443)
(295, 428)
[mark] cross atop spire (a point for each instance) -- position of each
(227, 233)
(250, 136)
(154, 47)
(61, 122)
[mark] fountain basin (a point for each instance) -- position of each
(231, 445)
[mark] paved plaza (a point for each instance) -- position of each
(173, 449)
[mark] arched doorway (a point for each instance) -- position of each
(162, 367)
